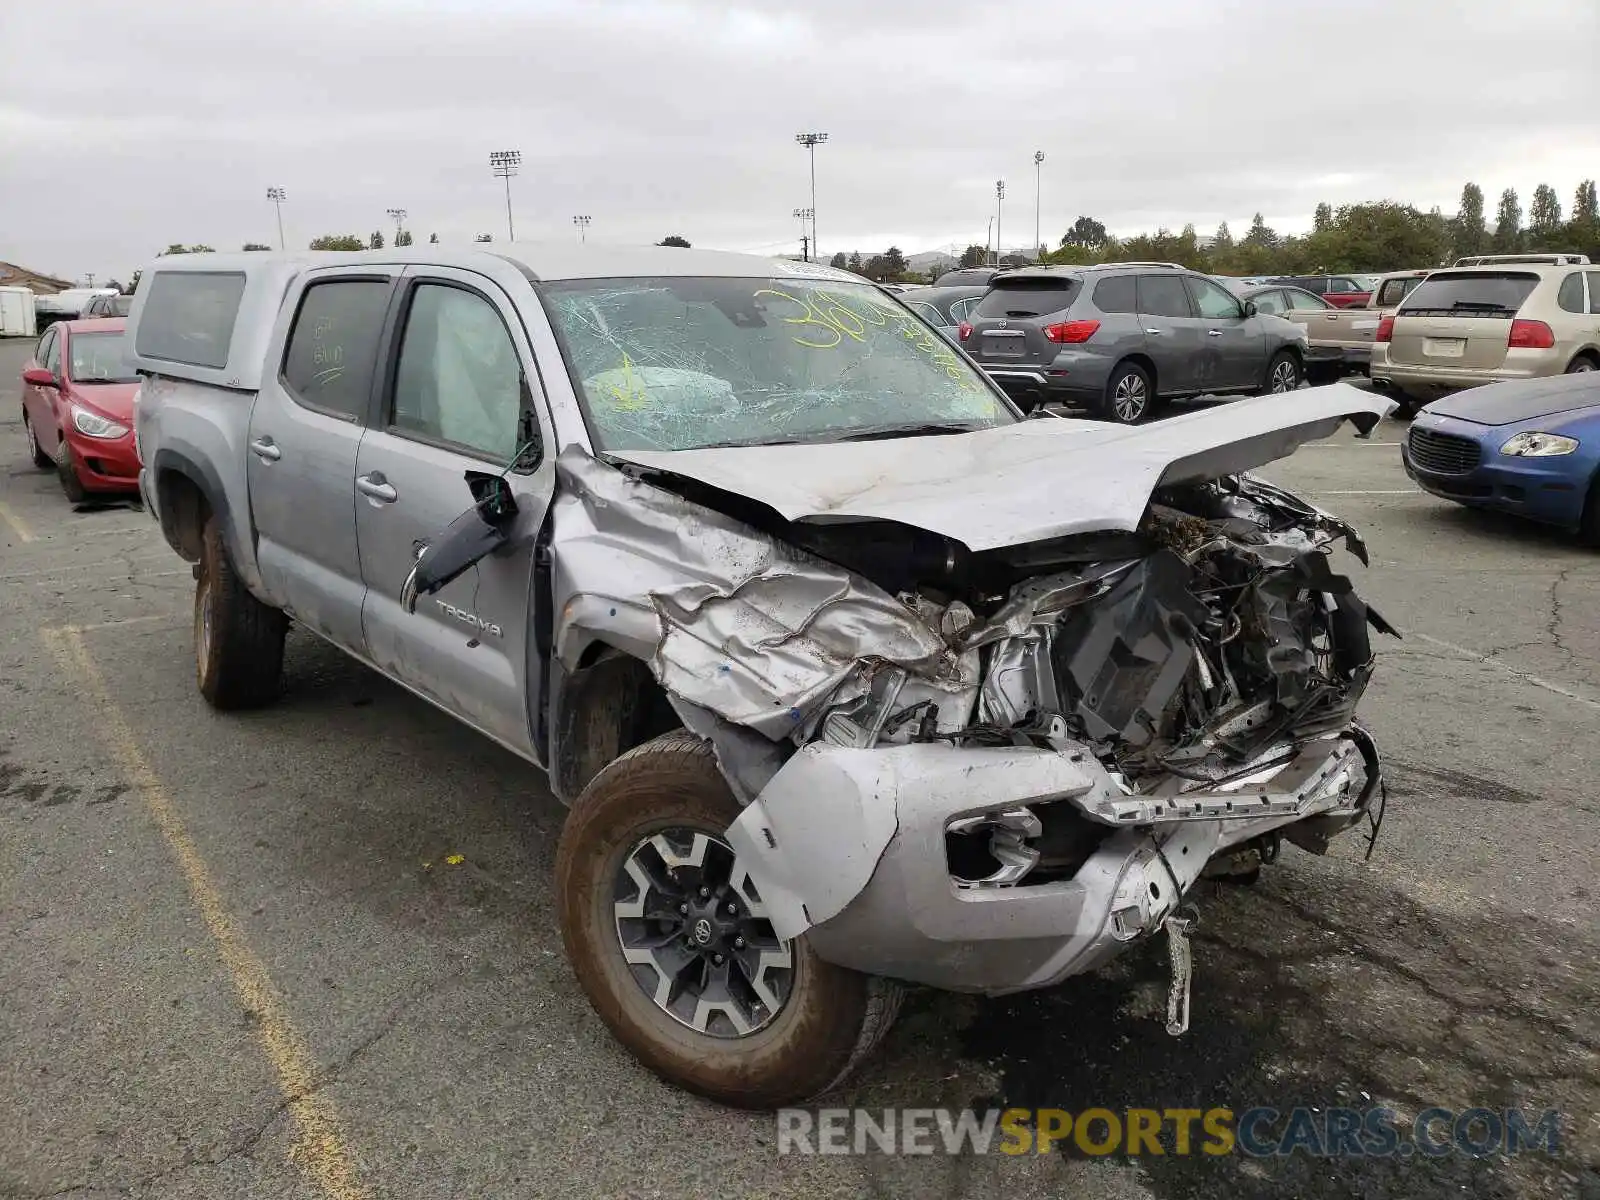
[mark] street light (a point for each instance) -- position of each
(278, 196)
(398, 216)
(504, 164)
(999, 208)
(811, 141)
(583, 227)
(1038, 191)
(803, 215)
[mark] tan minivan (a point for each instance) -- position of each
(1465, 326)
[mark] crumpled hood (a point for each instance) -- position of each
(1521, 400)
(1019, 483)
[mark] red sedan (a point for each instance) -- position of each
(77, 408)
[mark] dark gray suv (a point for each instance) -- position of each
(1122, 337)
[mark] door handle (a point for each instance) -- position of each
(1153, 332)
(1213, 333)
(376, 486)
(266, 449)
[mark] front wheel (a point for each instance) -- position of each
(670, 940)
(1283, 374)
(67, 472)
(1130, 395)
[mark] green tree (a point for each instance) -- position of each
(403, 238)
(1261, 234)
(1322, 219)
(973, 256)
(338, 241)
(433, 239)
(1508, 223)
(674, 240)
(1470, 232)
(256, 246)
(1087, 233)
(1545, 231)
(1583, 230)
(375, 242)
(854, 263)
(839, 260)
(180, 248)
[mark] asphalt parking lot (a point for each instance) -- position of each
(311, 951)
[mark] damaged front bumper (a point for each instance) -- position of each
(850, 847)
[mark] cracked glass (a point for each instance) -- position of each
(680, 363)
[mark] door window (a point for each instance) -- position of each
(1115, 295)
(1214, 302)
(1594, 291)
(1269, 302)
(926, 311)
(960, 310)
(1306, 302)
(459, 377)
(1163, 296)
(52, 354)
(333, 346)
(46, 346)
(1341, 286)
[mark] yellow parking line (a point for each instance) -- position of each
(24, 534)
(318, 1150)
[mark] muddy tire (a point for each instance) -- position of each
(40, 459)
(67, 472)
(238, 641)
(641, 849)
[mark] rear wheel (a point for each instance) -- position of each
(238, 641)
(670, 940)
(1283, 374)
(1582, 363)
(40, 459)
(1130, 395)
(67, 472)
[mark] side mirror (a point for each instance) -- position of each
(1250, 309)
(472, 536)
(40, 377)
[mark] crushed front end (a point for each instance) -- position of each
(989, 771)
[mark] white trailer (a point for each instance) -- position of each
(17, 316)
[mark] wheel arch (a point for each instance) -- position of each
(187, 491)
(607, 704)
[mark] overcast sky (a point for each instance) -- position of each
(126, 126)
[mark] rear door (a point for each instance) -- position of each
(1174, 335)
(41, 402)
(458, 379)
(1008, 322)
(305, 427)
(1234, 347)
(1460, 320)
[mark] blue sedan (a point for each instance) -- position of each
(1531, 447)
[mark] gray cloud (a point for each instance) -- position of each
(131, 126)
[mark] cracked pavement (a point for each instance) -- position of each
(1458, 967)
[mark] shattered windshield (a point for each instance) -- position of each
(678, 363)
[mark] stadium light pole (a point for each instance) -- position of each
(504, 164)
(1038, 192)
(398, 216)
(999, 210)
(807, 242)
(278, 196)
(811, 141)
(583, 227)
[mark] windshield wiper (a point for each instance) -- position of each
(920, 429)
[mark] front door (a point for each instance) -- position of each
(306, 425)
(41, 402)
(1234, 354)
(461, 380)
(1172, 335)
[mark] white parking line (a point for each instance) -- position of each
(1537, 682)
(1343, 445)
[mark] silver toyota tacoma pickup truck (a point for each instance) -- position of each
(850, 676)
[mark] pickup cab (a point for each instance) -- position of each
(850, 676)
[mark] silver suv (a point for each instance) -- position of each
(1121, 338)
